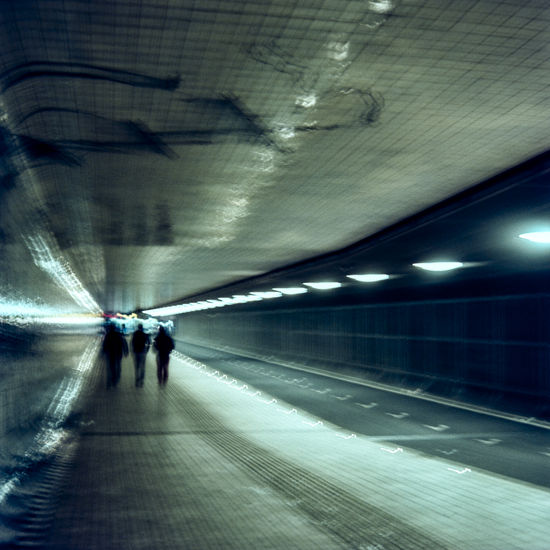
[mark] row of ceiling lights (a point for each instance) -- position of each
(278, 292)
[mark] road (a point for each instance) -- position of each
(495, 444)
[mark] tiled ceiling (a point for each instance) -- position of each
(155, 149)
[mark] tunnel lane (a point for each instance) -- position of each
(473, 440)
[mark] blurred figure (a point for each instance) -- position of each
(114, 347)
(164, 344)
(140, 347)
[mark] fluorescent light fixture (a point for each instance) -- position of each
(439, 266)
(537, 237)
(217, 303)
(268, 294)
(370, 277)
(242, 298)
(326, 285)
(227, 301)
(292, 290)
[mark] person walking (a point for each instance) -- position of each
(114, 347)
(164, 345)
(140, 346)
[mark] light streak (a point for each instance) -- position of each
(52, 432)
(48, 258)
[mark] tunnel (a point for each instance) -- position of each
(274, 275)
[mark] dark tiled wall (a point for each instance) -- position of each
(495, 350)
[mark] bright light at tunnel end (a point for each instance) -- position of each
(438, 266)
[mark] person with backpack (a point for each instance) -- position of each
(140, 346)
(164, 344)
(114, 347)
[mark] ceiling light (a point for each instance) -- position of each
(268, 294)
(242, 299)
(439, 266)
(370, 277)
(292, 290)
(537, 237)
(227, 301)
(326, 285)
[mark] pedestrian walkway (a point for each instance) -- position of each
(206, 462)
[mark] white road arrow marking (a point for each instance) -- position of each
(400, 415)
(341, 398)
(439, 428)
(492, 441)
(452, 452)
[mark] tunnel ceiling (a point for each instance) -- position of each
(152, 150)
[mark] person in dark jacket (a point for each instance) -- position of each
(164, 344)
(114, 347)
(140, 347)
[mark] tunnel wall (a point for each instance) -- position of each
(488, 350)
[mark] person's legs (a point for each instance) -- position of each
(141, 368)
(136, 368)
(111, 372)
(116, 363)
(165, 379)
(162, 369)
(159, 369)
